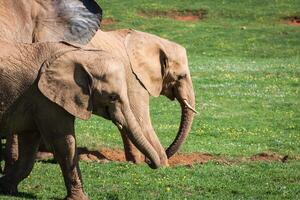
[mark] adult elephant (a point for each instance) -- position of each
(154, 66)
(29, 21)
(51, 84)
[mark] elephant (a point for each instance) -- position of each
(51, 85)
(154, 66)
(30, 21)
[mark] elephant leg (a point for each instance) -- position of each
(65, 152)
(132, 154)
(57, 129)
(11, 151)
(1, 155)
(28, 145)
(64, 149)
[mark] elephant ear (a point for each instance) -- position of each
(74, 21)
(148, 60)
(66, 82)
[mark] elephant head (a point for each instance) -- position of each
(162, 68)
(66, 20)
(30, 21)
(84, 82)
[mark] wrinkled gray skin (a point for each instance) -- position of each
(49, 20)
(154, 66)
(49, 84)
(28, 21)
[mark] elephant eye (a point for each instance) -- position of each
(181, 76)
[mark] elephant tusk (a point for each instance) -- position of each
(189, 106)
(119, 125)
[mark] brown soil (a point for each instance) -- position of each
(187, 159)
(179, 15)
(108, 21)
(293, 21)
(268, 156)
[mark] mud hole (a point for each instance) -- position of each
(293, 20)
(187, 159)
(179, 15)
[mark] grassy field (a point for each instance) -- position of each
(245, 64)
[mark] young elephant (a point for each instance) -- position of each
(43, 87)
(30, 21)
(154, 66)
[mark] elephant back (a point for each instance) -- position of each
(15, 21)
(28, 21)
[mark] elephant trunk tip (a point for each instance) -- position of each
(152, 165)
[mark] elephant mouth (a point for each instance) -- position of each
(170, 94)
(118, 124)
(111, 118)
(108, 116)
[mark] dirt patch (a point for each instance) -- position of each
(113, 154)
(44, 155)
(179, 15)
(108, 21)
(293, 20)
(269, 157)
(104, 155)
(187, 159)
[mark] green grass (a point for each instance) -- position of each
(245, 65)
(210, 181)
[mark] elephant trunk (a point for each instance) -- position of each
(186, 98)
(135, 134)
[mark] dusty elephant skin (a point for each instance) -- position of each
(49, 84)
(154, 66)
(28, 21)
(47, 20)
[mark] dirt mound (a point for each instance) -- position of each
(103, 154)
(293, 20)
(179, 15)
(106, 155)
(268, 156)
(44, 155)
(187, 159)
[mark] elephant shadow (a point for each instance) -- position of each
(46, 156)
(23, 195)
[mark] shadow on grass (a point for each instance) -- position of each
(47, 156)
(23, 195)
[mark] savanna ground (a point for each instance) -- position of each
(245, 63)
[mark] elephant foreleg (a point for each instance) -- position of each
(1, 155)
(11, 151)
(61, 139)
(28, 145)
(65, 152)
